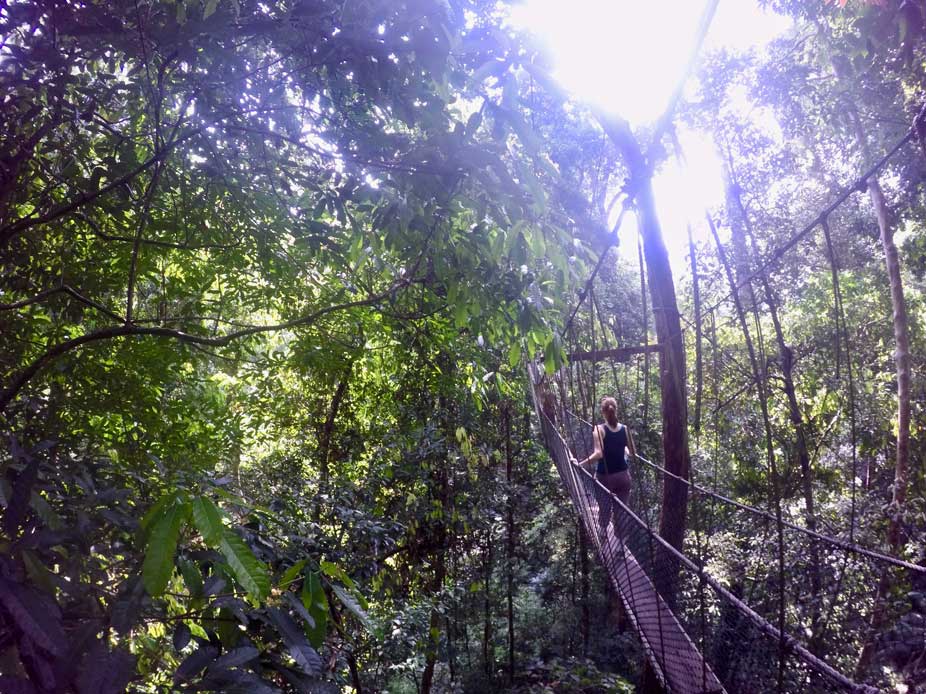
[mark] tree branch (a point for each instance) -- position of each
(63, 289)
(99, 233)
(126, 330)
(10, 231)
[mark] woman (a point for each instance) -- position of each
(612, 442)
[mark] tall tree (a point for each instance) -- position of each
(673, 364)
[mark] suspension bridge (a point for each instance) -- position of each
(702, 633)
(752, 601)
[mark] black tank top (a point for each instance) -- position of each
(613, 445)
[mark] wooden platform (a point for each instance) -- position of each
(677, 660)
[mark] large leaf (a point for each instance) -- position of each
(104, 671)
(20, 497)
(191, 577)
(297, 645)
(235, 658)
(195, 663)
(316, 603)
(208, 520)
(292, 573)
(181, 636)
(162, 546)
(126, 608)
(157, 510)
(299, 609)
(353, 607)
(249, 572)
(334, 571)
(35, 614)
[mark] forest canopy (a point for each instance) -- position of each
(272, 273)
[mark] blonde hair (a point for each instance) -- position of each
(608, 400)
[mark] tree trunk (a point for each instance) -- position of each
(759, 378)
(645, 335)
(433, 640)
(786, 359)
(487, 655)
(736, 216)
(699, 371)
(351, 658)
(902, 362)
(441, 541)
(511, 530)
(668, 333)
(901, 337)
(902, 366)
(324, 441)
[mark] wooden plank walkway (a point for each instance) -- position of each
(678, 662)
(675, 658)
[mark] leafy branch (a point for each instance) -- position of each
(127, 330)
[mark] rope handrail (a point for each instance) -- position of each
(858, 185)
(790, 643)
(842, 544)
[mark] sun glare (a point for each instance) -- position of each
(627, 58)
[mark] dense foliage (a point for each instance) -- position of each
(271, 271)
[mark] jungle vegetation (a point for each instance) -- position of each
(272, 271)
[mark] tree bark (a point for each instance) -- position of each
(351, 658)
(645, 335)
(901, 337)
(586, 612)
(736, 216)
(427, 677)
(901, 360)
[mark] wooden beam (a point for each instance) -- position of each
(617, 354)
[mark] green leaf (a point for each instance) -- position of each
(162, 546)
(334, 571)
(157, 510)
(191, 577)
(249, 572)
(210, 8)
(208, 520)
(460, 315)
(45, 511)
(291, 573)
(353, 607)
(559, 353)
(38, 573)
(316, 602)
(514, 354)
(302, 652)
(549, 360)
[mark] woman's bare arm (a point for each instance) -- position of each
(630, 446)
(597, 454)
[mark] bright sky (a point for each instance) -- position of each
(627, 57)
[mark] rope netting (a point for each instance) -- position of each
(708, 623)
